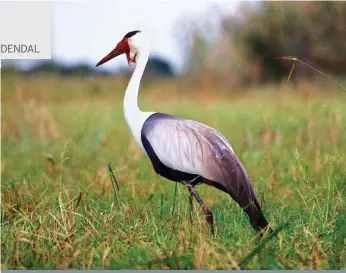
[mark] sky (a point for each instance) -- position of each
(87, 30)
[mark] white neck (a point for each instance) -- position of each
(135, 117)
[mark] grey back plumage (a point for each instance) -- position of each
(195, 148)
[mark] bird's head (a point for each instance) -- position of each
(131, 44)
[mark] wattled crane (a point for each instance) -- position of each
(183, 150)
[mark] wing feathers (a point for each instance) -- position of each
(192, 147)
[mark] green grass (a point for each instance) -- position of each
(58, 205)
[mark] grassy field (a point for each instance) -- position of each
(59, 210)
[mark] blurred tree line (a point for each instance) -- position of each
(156, 67)
(250, 40)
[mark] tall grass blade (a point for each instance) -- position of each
(309, 66)
(258, 248)
(115, 186)
(161, 207)
(291, 72)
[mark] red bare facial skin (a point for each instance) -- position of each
(121, 48)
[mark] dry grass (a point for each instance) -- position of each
(58, 207)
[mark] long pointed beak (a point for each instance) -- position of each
(114, 53)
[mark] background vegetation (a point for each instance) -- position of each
(58, 207)
(251, 39)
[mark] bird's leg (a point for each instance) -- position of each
(191, 206)
(189, 183)
(207, 212)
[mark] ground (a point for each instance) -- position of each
(59, 209)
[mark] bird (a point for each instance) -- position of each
(184, 150)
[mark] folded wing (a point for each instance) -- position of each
(191, 147)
